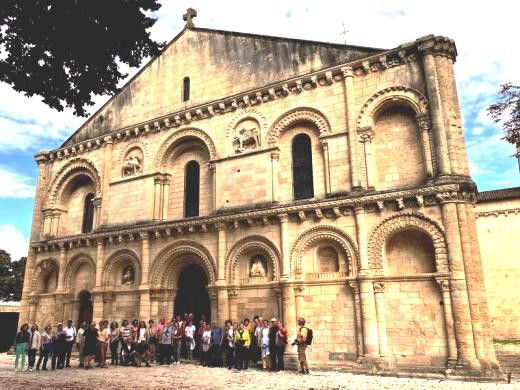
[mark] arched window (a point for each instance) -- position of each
(303, 187)
(88, 213)
(191, 189)
(186, 89)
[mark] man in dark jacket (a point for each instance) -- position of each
(273, 329)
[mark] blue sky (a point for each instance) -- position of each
(485, 33)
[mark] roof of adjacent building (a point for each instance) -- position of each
(501, 194)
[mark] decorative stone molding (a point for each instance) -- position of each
(404, 221)
(496, 213)
(298, 115)
(115, 259)
(167, 266)
(404, 94)
(177, 137)
(252, 243)
(326, 234)
(73, 265)
(71, 170)
(438, 46)
(42, 270)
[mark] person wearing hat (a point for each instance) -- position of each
(273, 329)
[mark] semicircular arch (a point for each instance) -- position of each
(73, 266)
(118, 258)
(42, 270)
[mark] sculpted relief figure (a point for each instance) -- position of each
(257, 269)
(132, 166)
(128, 275)
(248, 137)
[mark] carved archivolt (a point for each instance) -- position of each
(69, 172)
(118, 258)
(252, 243)
(42, 270)
(406, 221)
(175, 257)
(296, 116)
(405, 95)
(325, 234)
(180, 136)
(72, 267)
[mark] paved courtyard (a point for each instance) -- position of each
(190, 376)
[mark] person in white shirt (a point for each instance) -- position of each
(80, 343)
(34, 346)
(70, 337)
(264, 345)
(189, 332)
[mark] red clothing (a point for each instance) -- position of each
(281, 337)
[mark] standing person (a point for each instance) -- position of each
(230, 335)
(273, 329)
(91, 340)
(189, 332)
(33, 346)
(60, 347)
(165, 344)
(256, 355)
(20, 345)
(152, 340)
(301, 342)
(242, 344)
(70, 337)
(80, 343)
(114, 343)
(281, 342)
(103, 337)
(216, 341)
(133, 328)
(177, 340)
(205, 343)
(124, 333)
(46, 348)
(264, 346)
(198, 338)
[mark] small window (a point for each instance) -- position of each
(186, 89)
(303, 185)
(88, 214)
(191, 189)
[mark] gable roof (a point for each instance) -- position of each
(501, 194)
(246, 60)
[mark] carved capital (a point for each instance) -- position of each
(97, 201)
(445, 197)
(284, 217)
(232, 294)
(444, 284)
(212, 168)
(143, 235)
(379, 287)
(347, 71)
(353, 284)
(423, 121)
(324, 144)
(275, 155)
(298, 290)
(366, 134)
(41, 158)
(108, 140)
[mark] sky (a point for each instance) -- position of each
(485, 32)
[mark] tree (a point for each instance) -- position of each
(66, 51)
(11, 277)
(507, 111)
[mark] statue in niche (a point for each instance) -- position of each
(128, 275)
(248, 136)
(132, 166)
(258, 266)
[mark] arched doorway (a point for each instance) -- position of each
(85, 308)
(192, 295)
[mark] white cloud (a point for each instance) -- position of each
(15, 185)
(13, 242)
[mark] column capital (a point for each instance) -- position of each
(212, 168)
(275, 155)
(444, 284)
(284, 217)
(232, 293)
(324, 144)
(366, 134)
(144, 235)
(108, 140)
(354, 285)
(424, 122)
(97, 201)
(158, 179)
(41, 158)
(379, 287)
(347, 71)
(299, 289)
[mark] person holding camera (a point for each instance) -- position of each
(301, 342)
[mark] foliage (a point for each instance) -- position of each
(507, 112)
(66, 51)
(11, 277)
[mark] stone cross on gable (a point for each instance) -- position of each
(188, 17)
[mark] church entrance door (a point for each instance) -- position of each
(192, 295)
(85, 308)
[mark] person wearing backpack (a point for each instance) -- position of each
(303, 339)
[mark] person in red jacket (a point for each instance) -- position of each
(281, 342)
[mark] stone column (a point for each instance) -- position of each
(97, 212)
(61, 272)
(325, 146)
(26, 290)
(275, 156)
(299, 302)
(357, 313)
(366, 288)
(100, 260)
(232, 298)
(350, 108)
(108, 299)
(366, 137)
(289, 319)
(434, 98)
(222, 294)
(75, 311)
(284, 245)
(459, 292)
(97, 305)
(157, 215)
(55, 224)
(33, 305)
(424, 127)
(379, 288)
(165, 197)
(214, 186)
(145, 258)
(169, 300)
(107, 175)
(444, 285)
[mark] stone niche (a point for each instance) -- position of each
(246, 135)
(133, 162)
(254, 268)
(324, 259)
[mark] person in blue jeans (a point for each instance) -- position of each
(216, 341)
(20, 345)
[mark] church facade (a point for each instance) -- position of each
(239, 175)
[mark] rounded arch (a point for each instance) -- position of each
(119, 258)
(397, 94)
(68, 174)
(298, 115)
(179, 137)
(73, 265)
(252, 242)
(329, 234)
(170, 262)
(406, 221)
(43, 269)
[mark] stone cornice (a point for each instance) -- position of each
(325, 208)
(496, 213)
(403, 54)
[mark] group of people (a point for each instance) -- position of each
(236, 345)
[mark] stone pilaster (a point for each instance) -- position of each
(379, 288)
(97, 305)
(299, 301)
(350, 108)
(61, 272)
(325, 146)
(214, 186)
(107, 175)
(145, 258)
(157, 199)
(232, 300)
(275, 156)
(100, 261)
(444, 285)
(165, 197)
(284, 245)
(144, 303)
(357, 312)
(424, 127)
(366, 137)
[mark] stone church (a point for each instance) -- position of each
(238, 174)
